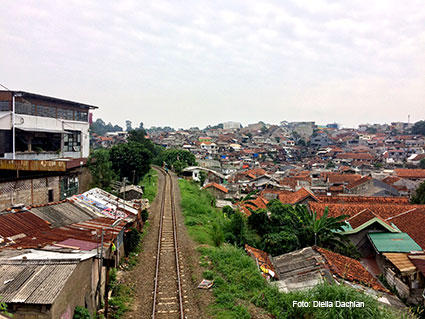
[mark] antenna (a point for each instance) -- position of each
(408, 119)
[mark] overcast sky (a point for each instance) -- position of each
(193, 63)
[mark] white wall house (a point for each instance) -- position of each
(44, 127)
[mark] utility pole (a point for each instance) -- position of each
(124, 181)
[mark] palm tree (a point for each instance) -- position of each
(247, 201)
(327, 228)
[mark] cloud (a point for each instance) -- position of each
(168, 62)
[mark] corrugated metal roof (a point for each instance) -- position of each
(393, 242)
(419, 261)
(63, 214)
(12, 224)
(85, 231)
(401, 261)
(33, 284)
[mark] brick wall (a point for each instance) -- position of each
(29, 191)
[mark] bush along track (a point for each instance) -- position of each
(122, 292)
(150, 185)
(239, 289)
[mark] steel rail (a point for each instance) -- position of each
(174, 222)
(159, 245)
(173, 212)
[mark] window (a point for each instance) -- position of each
(72, 142)
(4, 106)
(46, 111)
(24, 108)
(81, 116)
(65, 114)
(50, 195)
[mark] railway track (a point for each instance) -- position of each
(168, 293)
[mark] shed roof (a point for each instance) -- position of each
(63, 214)
(393, 242)
(419, 261)
(401, 261)
(33, 283)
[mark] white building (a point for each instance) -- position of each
(34, 126)
(231, 125)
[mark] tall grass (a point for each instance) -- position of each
(150, 184)
(198, 213)
(239, 286)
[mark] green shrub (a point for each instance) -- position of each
(81, 313)
(217, 235)
(131, 240)
(150, 185)
(145, 215)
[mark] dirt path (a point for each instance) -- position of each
(142, 276)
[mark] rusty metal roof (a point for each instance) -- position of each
(86, 231)
(419, 261)
(12, 224)
(33, 283)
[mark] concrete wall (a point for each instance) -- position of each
(27, 311)
(78, 291)
(29, 121)
(216, 193)
(84, 179)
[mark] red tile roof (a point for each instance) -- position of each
(217, 186)
(261, 256)
(349, 269)
(363, 217)
(390, 180)
(358, 182)
(410, 173)
(383, 210)
(255, 171)
(363, 199)
(287, 197)
(412, 222)
(337, 178)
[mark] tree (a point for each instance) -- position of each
(422, 163)
(237, 229)
(202, 177)
(177, 159)
(131, 160)
(419, 128)
(330, 164)
(141, 126)
(100, 128)
(371, 130)
(259, 221)
(419, 196)
(100, 168)
(282, 242)
(283, 228)
(128, 125)
(3, 308)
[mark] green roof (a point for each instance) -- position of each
(393, 242)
